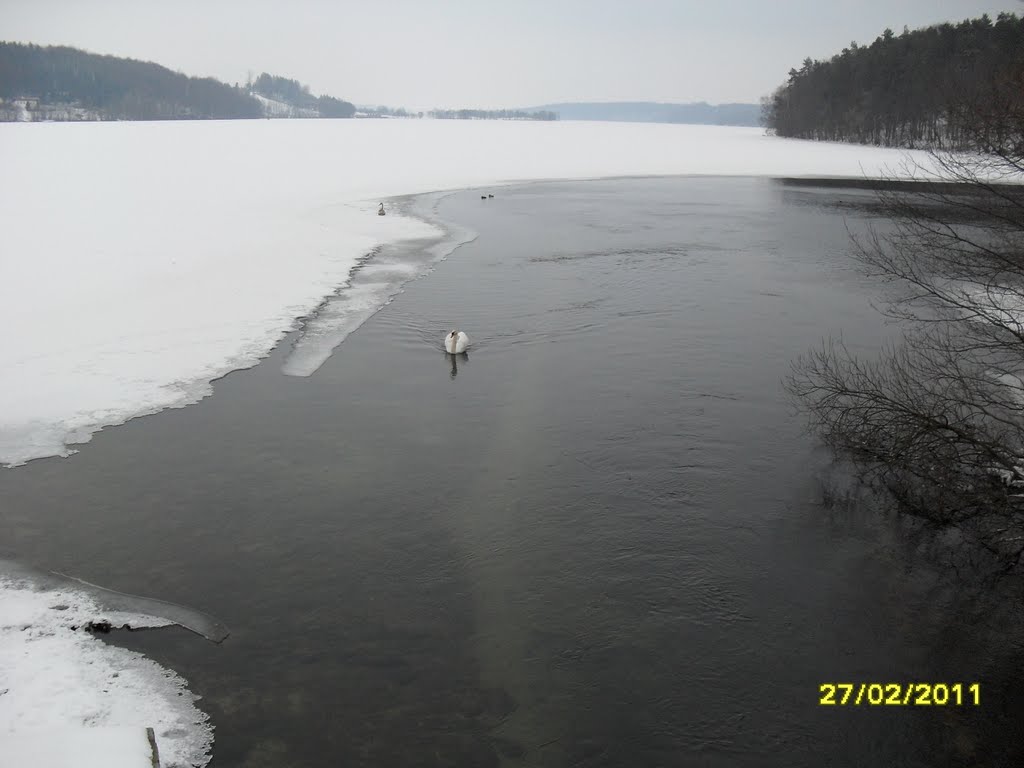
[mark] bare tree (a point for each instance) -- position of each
(937, 422)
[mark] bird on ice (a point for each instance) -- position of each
(456, 342)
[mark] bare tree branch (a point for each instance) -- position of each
(936, 423)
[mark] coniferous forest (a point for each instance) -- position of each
(921, 88)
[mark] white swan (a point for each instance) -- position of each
(456, 342)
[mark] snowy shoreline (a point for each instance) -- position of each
(61, 683)
(171, 254)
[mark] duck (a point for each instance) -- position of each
(456, 342)
(489, 195)
(380, 211)
(483, 197)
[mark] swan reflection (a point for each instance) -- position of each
(463, 356)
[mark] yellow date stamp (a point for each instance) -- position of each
(900, 694)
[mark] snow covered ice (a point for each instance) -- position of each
(81, 747)
(59, 682)
(141, 261)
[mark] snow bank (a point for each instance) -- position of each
(141, 261)
(56, 679)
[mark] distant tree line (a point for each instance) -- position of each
(55, 79)
(62, 83)
(696, 113)
(388, 112)
(116, 88)
(460, 114)
(329, 106)
(491, 114)
(916, 89)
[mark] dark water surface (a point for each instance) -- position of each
(596, 541)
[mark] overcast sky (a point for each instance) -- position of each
(484, 53)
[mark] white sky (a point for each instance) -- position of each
(484, 53)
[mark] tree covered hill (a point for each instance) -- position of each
(114, 88)
(62, 83)
(297, 96)
(919, 88)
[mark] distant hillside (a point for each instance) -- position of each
(57, 82)
(699, 113)
(62, 83)
(275, 92)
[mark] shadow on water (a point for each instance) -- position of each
(454, 360)
(605, 546)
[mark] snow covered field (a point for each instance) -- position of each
(140, 261)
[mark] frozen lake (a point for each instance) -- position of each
(598, 540)
(141, 261)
